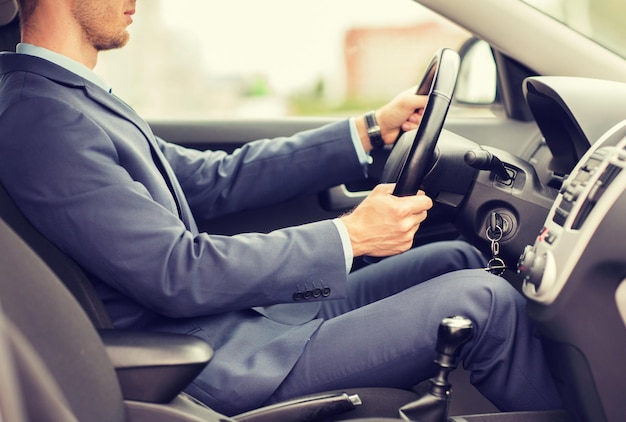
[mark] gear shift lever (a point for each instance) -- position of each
(433, 405)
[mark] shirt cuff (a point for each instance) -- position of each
(345, 241)
(364, 158)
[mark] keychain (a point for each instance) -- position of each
(494, 233)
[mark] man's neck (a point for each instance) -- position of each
(64, 62)
(61, 35)
(74, 52)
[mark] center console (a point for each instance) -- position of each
(574, 277)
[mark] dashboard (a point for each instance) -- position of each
(572, 114)
(574, 269)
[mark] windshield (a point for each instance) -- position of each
(600, 20)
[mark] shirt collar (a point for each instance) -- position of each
(63, 61)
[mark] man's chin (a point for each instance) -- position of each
(113, 43)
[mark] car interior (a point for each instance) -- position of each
(546, 187)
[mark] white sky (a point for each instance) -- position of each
(291, 44)
(281, 37)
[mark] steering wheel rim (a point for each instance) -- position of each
(410, 160)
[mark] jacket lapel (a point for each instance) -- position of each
(116, 105)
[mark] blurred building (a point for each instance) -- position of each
(382, 61)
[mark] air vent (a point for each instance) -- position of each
(576, 184)
(596, 192)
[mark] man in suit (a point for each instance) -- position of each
(283, 311)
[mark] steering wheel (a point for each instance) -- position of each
(410, 161)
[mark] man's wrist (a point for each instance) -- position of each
(373, 130)
(345, 243)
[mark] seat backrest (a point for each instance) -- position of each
(11, 406)
(9, 25)
(66, 269)
(8, 11)
(29, 391)
(46, 315)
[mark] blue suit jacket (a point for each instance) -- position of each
(91, 176)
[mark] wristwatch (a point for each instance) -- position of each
(373, 131)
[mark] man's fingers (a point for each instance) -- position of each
(421, 202)
(384, 188)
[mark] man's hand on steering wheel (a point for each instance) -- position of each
(383, 224)
(386, 221)
(402, 114)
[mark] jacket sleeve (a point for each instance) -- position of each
(66, 174)
(266, 171)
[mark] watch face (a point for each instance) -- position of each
(373, 130)
(372, 124)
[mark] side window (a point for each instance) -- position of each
(215, 59)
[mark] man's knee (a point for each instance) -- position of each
(457, 254)
(445, 256)
(498, 311)
(485, 298)
(467, 253)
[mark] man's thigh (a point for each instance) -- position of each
(390, 342)
(398, 273)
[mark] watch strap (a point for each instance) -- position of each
(373, 131)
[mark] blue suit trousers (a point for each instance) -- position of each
(384, 333)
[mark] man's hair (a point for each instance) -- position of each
(26, 9)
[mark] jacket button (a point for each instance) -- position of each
(297, 296)
(326, 291)
(307, 295)
(317, 292)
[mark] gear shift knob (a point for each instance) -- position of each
(453, 333)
